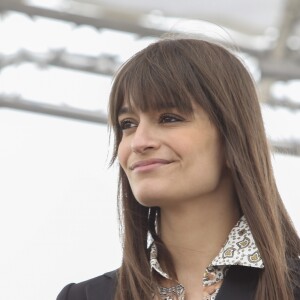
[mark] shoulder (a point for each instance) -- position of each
(102, 286)
(294, 266)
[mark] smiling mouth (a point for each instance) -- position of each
(147, 165)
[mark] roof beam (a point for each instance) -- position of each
(53, 110)
(110, 21)
(107, 65)
(101, 22)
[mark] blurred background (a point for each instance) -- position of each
(58, 217)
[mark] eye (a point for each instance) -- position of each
(170, 118)
(127, 124)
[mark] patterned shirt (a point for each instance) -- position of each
(239, 249)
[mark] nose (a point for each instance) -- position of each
(144, 138)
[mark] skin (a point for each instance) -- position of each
(188, 179)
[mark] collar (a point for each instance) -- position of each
(239, 249)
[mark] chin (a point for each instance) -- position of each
(148, 199)
(148, 202)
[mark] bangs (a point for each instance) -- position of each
(146, 89)
(162, 77)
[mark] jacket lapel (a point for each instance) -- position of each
(239, 284)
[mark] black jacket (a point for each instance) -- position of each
(239, 284)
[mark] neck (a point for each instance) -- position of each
(195, 231)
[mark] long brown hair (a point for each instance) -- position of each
(176, 73)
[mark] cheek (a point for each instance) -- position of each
(217, 160)
(210, 155)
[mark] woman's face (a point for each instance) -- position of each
(169, 156)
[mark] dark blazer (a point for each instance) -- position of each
(239, 284)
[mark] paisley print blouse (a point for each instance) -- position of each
(239, 249)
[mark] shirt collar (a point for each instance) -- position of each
(239, 249)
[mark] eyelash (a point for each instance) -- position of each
(123, 124)
(170, 116)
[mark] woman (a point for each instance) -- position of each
(200, 211)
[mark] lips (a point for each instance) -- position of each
(149, 162)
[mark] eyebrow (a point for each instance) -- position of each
(124, 110)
